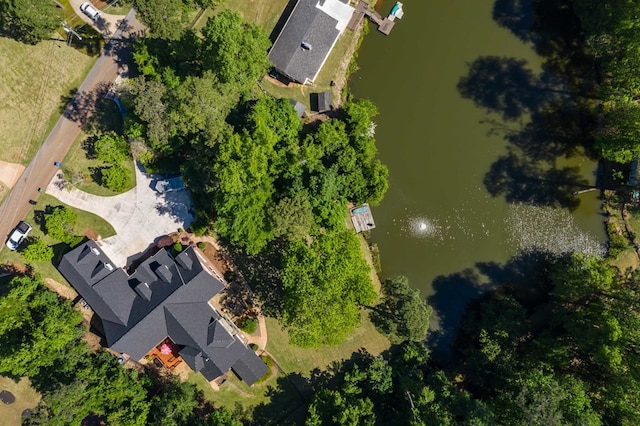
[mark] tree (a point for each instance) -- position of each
(618, 136)
(37, 330)
(116, 178)
(402, 314)
(37, 251)
(234, 49)
(111, 149)
(324, 282)
(28, 21)
(165, 18)
(60, 222)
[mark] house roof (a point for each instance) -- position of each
(161, 298)
(317, 24)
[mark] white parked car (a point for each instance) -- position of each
(89, 10)
(18, 235)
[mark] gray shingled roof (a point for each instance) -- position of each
(161, 298)
(307, 24)
(249, 367)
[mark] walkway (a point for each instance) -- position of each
(139, 216)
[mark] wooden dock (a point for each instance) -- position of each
(362, 218)
(362, 9)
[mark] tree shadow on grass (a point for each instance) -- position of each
(262, 274)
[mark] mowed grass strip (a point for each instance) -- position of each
(32, 83)
(26, 398)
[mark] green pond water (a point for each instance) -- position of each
(438, 221)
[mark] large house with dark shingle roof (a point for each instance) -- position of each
(165, 298)
(308, 36)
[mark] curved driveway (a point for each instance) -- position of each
(39, 172)
(140, 216)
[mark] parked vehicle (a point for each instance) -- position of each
(89, 10)
(18, 235)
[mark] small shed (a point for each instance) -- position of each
(321, 102)
(362, 218)
(298, 106)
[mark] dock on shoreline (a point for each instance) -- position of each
(362, 9)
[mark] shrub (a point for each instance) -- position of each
(38, 251)
(202, 245)
(248, 325)
(253, 346)
(177, 247)
(267, 360)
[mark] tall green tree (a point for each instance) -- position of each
(234, 49)
(325, 283)
(402, 314)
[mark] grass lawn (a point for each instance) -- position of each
(26, 397)
(78, 167)
(234, 392)
(33, 80)
(295, 359)
(264, 13)
(86, 222)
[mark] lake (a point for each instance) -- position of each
(439, 224)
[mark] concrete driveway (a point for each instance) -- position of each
(139, 216)
(106, 25)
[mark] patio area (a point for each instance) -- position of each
(166, 355)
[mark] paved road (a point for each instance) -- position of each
(41, 169)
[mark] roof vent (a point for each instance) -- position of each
(108, 266)
(95, 251)
(306, 46)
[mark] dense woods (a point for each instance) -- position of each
(612, 38)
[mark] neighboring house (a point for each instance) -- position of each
(303, 45)
(165, 300)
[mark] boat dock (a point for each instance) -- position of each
(385, 25)
(362, 218)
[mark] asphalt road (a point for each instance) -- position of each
(41, 169)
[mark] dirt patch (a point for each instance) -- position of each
(62, 290)
(90, 233)
(219, 259)
(10, 173)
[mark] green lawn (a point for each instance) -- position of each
(86, 220)
(32, 82)
(235, 393)
(295, 359)
(26, 397)
(264, 13)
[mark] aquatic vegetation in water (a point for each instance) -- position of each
(549, 229)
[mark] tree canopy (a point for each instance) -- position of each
(402, 314)
(28, 21)
(324, 282)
